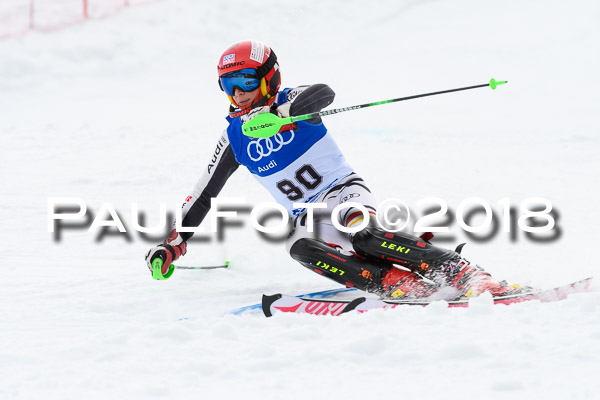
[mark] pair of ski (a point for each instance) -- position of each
(272, 304)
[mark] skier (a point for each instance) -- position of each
(304, 165)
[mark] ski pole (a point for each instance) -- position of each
(266, 125)
(158, 263)
(203, 267)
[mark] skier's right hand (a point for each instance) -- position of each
(169, 251)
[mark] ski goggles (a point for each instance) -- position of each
(244, 79)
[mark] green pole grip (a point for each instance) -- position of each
(157, 270)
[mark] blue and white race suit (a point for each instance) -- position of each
(296, 166)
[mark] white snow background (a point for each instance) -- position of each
(127, 109)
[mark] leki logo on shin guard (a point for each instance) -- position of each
(330, 268)
(395, 247)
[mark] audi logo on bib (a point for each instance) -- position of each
(263, 147)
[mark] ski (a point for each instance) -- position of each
(272, 304)
(320, 294)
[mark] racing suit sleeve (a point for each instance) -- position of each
(310, 99)
(221, 166)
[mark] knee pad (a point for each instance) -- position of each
(349, 270)
(400, 248)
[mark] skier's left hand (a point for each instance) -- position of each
(282, 111)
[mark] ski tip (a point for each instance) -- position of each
(226, 264)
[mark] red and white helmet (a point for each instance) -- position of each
(255, 55)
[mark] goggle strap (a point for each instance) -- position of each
(274, 80)
(264, 69)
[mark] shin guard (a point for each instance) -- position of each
(350, 270)
(400, 248)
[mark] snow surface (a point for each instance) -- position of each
(126, 109)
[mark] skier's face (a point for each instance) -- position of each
(244, 99)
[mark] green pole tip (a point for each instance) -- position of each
(494, 83)
(227, 263)
(157, 270)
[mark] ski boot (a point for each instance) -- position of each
(472, 280)
(399, 283)
(429, 263)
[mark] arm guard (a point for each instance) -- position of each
(310, 99)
